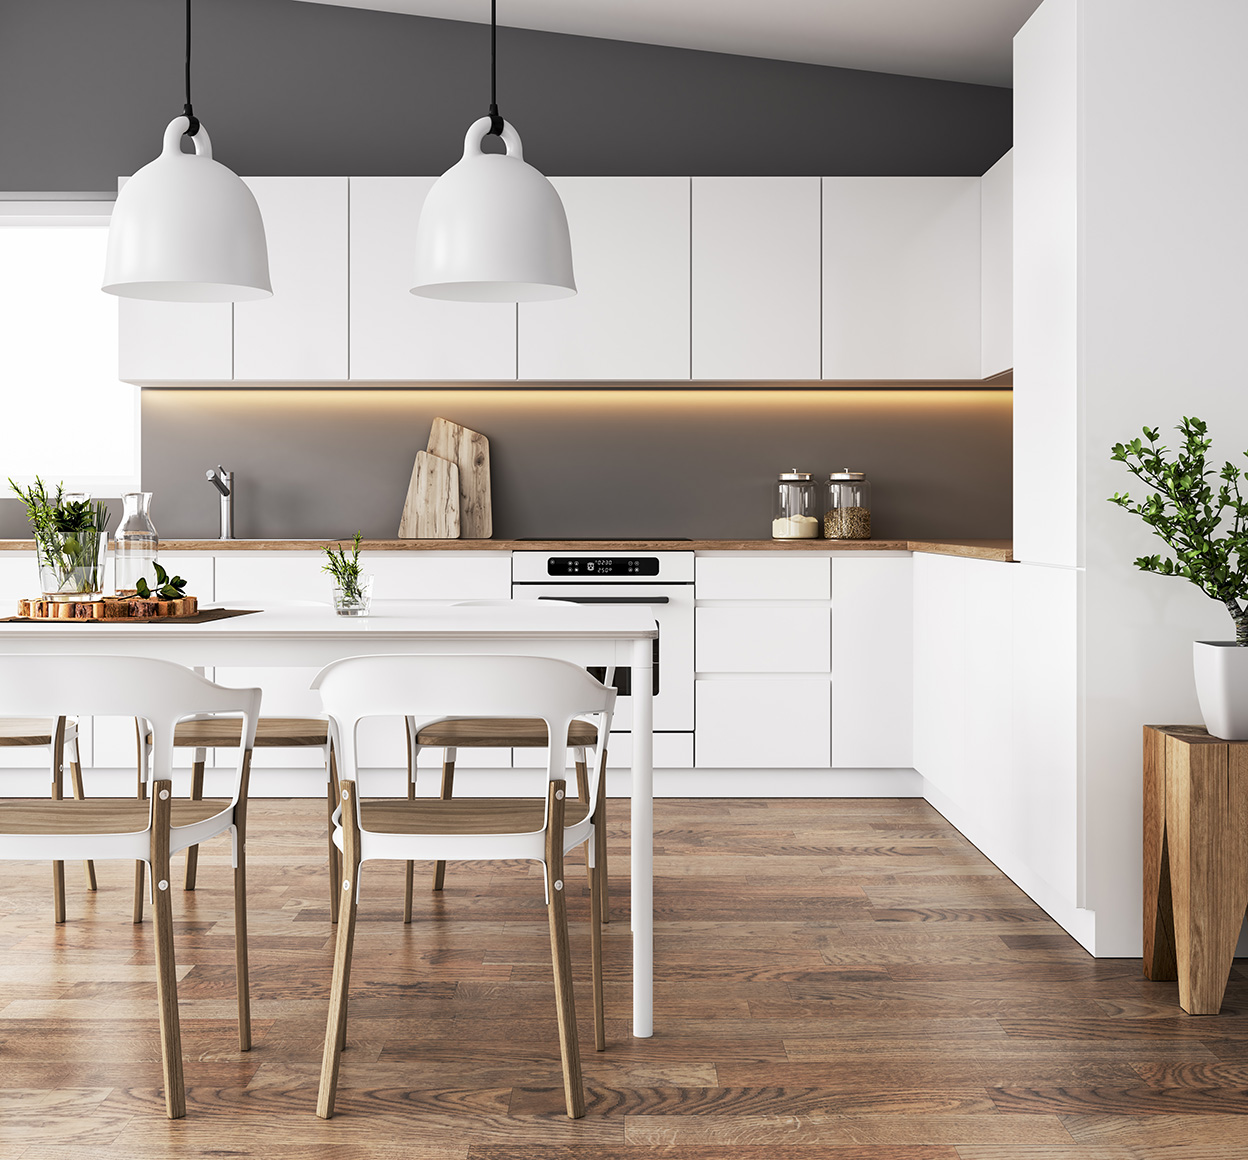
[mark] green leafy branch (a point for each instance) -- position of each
(1198, 511)
(67, 533)
(167, 587)
(345, 569)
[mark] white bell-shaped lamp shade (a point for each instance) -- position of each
(493, 229)
(186, 229)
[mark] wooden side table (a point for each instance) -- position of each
(1195, 860)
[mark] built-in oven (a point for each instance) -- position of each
(662, 580)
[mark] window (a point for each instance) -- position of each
(65, 414)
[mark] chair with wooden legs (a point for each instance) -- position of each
(541, 829)
(206, 733)
(481, 733)
(160, 693)
(59, 735)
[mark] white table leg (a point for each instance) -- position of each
(642, 860)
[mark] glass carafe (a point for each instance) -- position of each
(137, 542)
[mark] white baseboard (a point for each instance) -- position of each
(1079, 923)
(668, 783)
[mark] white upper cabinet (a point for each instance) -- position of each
(756, 278)
(167, 343)
(901, 278)
(630, 317)
(996, 266)
(300, 334)
(395, 335)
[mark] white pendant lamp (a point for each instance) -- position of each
(185, 228)
(492, 228)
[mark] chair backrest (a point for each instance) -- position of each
(437, 688)
(160, 692)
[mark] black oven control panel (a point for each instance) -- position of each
(602, 566)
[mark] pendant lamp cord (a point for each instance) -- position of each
(496, 122)
(187, 112)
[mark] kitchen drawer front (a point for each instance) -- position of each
(671, 751)
(19, 579)
(762, 640)
(768, 723)
(872, 663)
(396, 576)
(762, 578)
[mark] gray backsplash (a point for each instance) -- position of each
(575, 463)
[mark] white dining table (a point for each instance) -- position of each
(312, 635)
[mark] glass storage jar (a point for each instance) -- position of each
(795, 514)
(136, 543)
(847, 514)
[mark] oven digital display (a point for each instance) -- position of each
(602, 566)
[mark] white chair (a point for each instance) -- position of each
(59, 736)
(541, 829)
(206, 733)
(161, 693)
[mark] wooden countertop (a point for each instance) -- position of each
(1000, 550)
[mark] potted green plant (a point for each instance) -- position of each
(1201, 516)
(353, 591)
(70, 540)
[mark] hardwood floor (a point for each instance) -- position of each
(840, 980)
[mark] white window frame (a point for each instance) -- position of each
(92, 212)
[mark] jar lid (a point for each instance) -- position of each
(845, 473)
(794, 474)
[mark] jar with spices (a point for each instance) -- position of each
(848, 512)
(794, 516)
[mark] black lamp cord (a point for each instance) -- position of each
(496, 122)
(193, 128)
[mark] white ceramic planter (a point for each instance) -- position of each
(1222, 687)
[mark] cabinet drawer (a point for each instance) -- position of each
(762, 640)
(763, 724)
(765, 578)
(671, 751)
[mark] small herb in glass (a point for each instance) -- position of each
(167, 587)
(69, 536)
(345, 569)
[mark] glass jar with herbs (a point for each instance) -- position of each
(71, 540)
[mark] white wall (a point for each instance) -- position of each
(1129, 311)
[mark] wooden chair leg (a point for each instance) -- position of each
(600, 846)
(242, 973)
(197, 794)
(58, 793)
(560, 953)
(595, 948)
(448, 792)
(166, 970)
(140, 793)
(75, 772)
(336, 1027)
(335, 857)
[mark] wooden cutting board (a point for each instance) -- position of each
(470, 452)
(431, 511)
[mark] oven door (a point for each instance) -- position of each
(673, 648)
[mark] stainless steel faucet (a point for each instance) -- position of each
(223, 481)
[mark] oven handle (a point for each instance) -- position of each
(609, 599)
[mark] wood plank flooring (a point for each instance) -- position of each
(840, 980)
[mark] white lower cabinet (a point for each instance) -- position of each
(872, 663)
(671, 751)
(763, 723)
(396, 575)
(762, 640)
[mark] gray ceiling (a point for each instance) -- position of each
(954, 40)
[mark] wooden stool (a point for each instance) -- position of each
(506, 733)
(1195, 860)
(271, 733)
(60, 736)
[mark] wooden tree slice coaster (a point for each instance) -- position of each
(109, 608)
